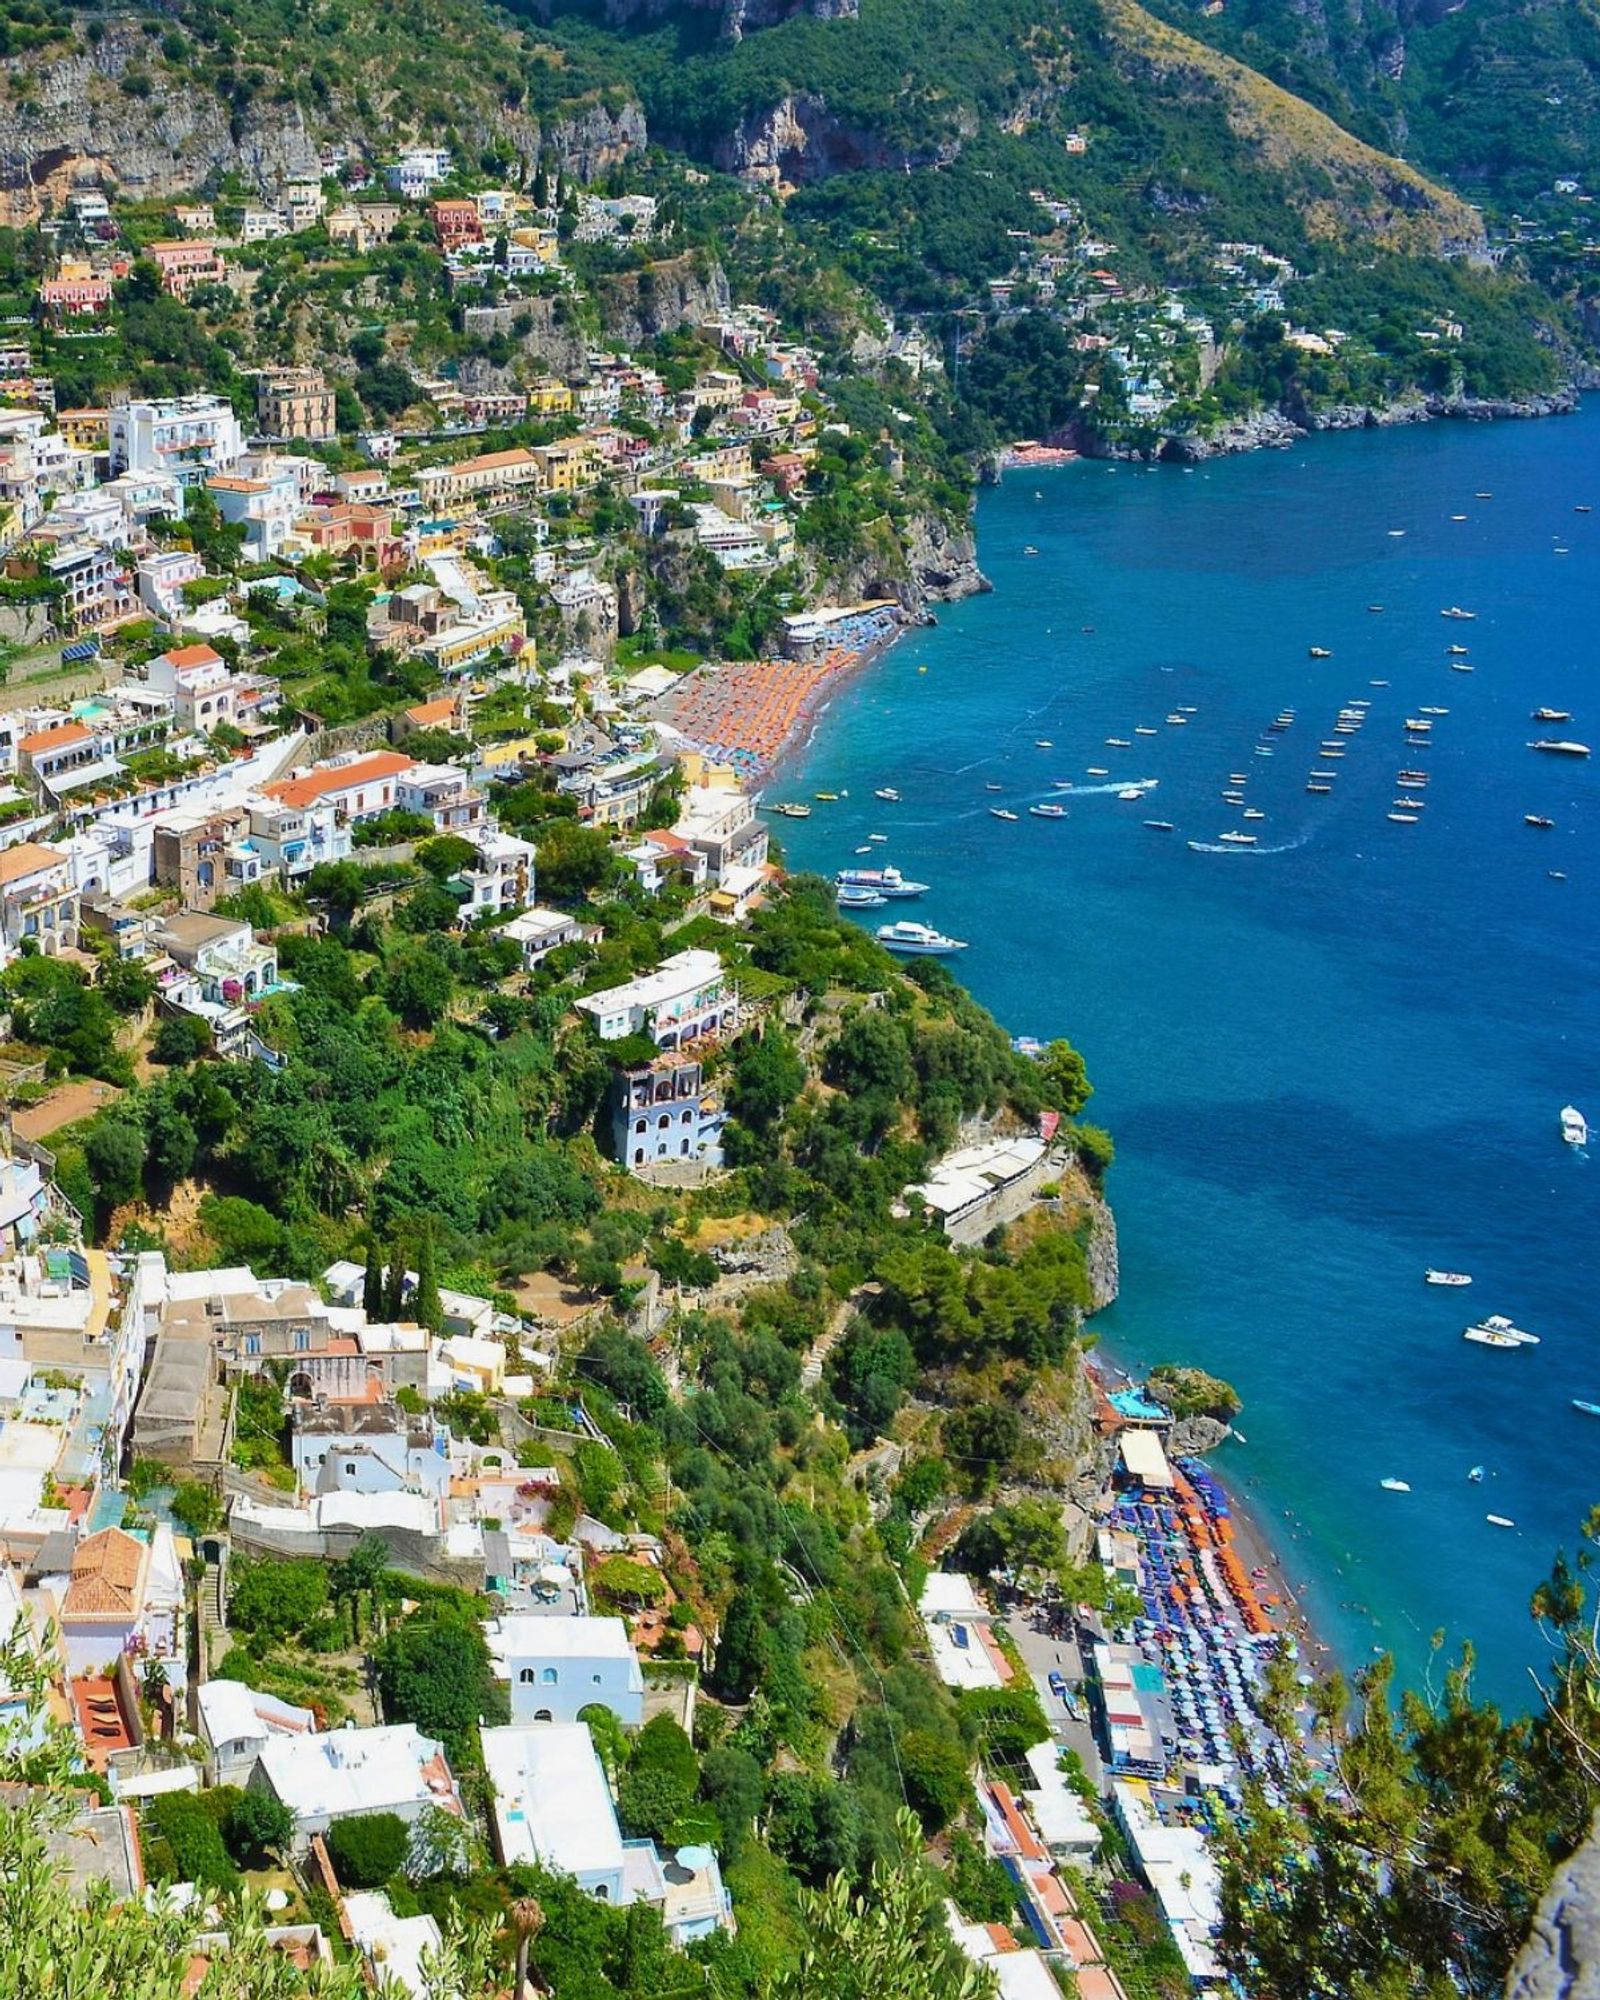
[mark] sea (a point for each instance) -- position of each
(1335, 1058)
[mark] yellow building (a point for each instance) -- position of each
(565, 465)
(85, 430)
(549, 398)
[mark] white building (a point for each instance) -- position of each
(393, 1947)
(540, 932)
(349, 1773)
(552, 1806)
(189, 437)
(238, 1722)
(418, 171)
(686, 997)
(957, 1624)
(557, 1666)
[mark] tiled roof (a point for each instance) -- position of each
(107, 1576)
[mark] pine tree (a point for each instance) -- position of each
(372, 1280)
(425, 1307)
(394, 1289)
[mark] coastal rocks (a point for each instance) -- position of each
(943, 560)
(1262, 430)
(1561, 1959)
(1100, 1255)
(1195, 1437)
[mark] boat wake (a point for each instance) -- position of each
(1107, 790)
(1236, 847)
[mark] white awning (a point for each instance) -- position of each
(1144, 1458)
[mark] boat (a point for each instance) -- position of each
(1536, 819)
(1556, 874)
(1555, 747)
(1118, 743)
(1320, 652)
(1144, 729)
(1237, 778)
(1237, 839)
(1048, 812)
(1374, 607)
(1187, 708)
(1254, 812)
(1552, 715)
(886, 881)
(1499, 1521)
(1457, 652)
(1433, 711)
(1043, 743)
(1395, 1485)
(889, 793)
(1582, 510)
(1458, 517)
(1029, 549)
(917, 940)
(1455, 611)
(1461, 666)
(1263, 749)
(1475, 1475)
(1411, 778)
(1314, 787)
(1396, 534)
(1001, 812)
(1178, 721)
(877, 838)
(1420, 723)
(791, 810)
(1131, 792)
(1159, 825)
(828, 798)
(1498, 1331)
(1483, 496)
(1404, 819)
(994, 788)
(1574, 1126)
(1433, 1277)
(849, 898)
(1588, 1409)
(1404, 805)
(1233, 798)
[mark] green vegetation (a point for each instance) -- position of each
(367, 1851)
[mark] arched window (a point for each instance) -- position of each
(664, 1121)
(543, 1715)
(638, 1156)
(549, 1676)
(601, 1893)
(526, 1677)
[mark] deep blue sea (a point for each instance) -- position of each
(1340, 1057)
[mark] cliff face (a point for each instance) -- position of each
(801, 140)
(672, 293)
(1561, 1960)
(926, 561)
(66, 120)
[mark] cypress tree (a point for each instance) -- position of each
(394, 1290)
(426, 1309)
(372, 1280)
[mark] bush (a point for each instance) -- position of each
(256, 1824)
(368, 1850)
(188, 1845)
(180, 1040)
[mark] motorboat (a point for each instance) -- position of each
(1395, 1485)
(887, 793)
(1503, 1330)
(1002, 812)
(828, 798)
(877, 838)
(1433, 1277)
(1483, 1336)
(1433, 711)
(1254, 812)
(1554, 747)
(1029, 549)
(1588, 1409)
(989, 787)
(1048, 812)
(885, 881)
(1097, 771)
(1320, 652)
(1537, 819)
(1159, 825)
(1461, 666)
(1131, 792)
(1499, 1520)
(791, 809)
(1408, 777)
(1118, 743)
(1043, 743)
(1237, 778)
(1420, 724)
(1475, 1475)
(1403, 819)
(1574, 1126)
(1404, 804)
(1374, 607)
(1552, 715)
(917, 940)
(1237, 839)
(849, 898)
(1458, 652)
(1145, 729)
(1319, 788)
(1455, 611)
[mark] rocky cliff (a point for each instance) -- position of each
(661, 297)
(925, 561)
(105, 112)
(800, 139)
(1561, 1960)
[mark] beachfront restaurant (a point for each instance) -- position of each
(1144, 1461)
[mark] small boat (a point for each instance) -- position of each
(887, 793)
(1433, 711)
(1233, 798)
(994, 788)
(1030, 550)
(1404, 819)
(1403, 804)
(1002, 812)
(1457, 652)
(1536, 819)
(883, 881)
(1461, 666)
(1582, 510)
(1377, 684)
(1396, 534)
(1499, 1521)
(1320, 652)
(1574, 1126)
(1048, 812)
(1177, 721)
(1237, 839)
(1554, 747)
(1421, 724)
(1475, 1476)
(1455, 611)
(1144, 729)
(1588, 1409)
(1043, 743)
(1263, 749)
(1552, 715)
(863, 850)
(1483, 1337)
(1433, 1277)
(1483, 496)
(1458, 517)
(917, 940)
(1313, 787)
(1395, 1485)
(1556, 874)
(1097, 771)
(1418, 778)
(1118, 743)
(791, 810)
(828, 798)
(1374, 607)
(849, 898)
(1498, 1331)
(1254, 812)
(1131, 792)
(1159, 825)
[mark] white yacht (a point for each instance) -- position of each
(1498, 1331)
(917, 940)
(1001, 812)
(1237, 839)
(888, 793)
(1574, 1126)
(1395, 1485)
(1048, 811)
(1434, 1277)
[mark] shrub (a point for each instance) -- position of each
(368, 1850)
(188, 1831)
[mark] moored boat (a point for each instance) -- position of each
(917, 940)
(886, 881)
(1553, 747)
(849, 898)
(1574, 1126)
(1048, 812)
(1001, 812)
(1435, 1277)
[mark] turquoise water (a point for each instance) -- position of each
(1339, 1058)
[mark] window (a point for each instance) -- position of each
(595, 1678)
(350, 1467)
(549, 1677)
(526, 1677)
(302, 1340)
(252, 1343)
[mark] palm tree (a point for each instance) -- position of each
(527, 1920)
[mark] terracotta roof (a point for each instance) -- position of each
(492, 461)
(30, 858)
(442, 710)
(307, 789)
(107, 1576)
(55, 739)
(193, 656)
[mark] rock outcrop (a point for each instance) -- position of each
(662, 297)
(1105, 1276)
(1561, 1959)
(800, 139)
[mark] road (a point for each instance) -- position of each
(1043, 1655)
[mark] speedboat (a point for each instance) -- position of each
(1374, 607)
(1118, 743)
(993, 788)
(877, 838)
(1552, 715)
(1499, 1521)
(1001, 812)
(1536, 819)
(884, 881)
(1097, 771)
(1237, 839)
(1404, 819)
(1237, 778)
(1574, 1126)
(1315, 787)
(1029, 550)
(917, 940)
(1395, 1485)
(888, 793)
(1043, 743)
(859, 898)
(1144, 729)
(1320, 652)
(1419, 724)
(1588, 1409)
(1498, 1331)
(1475, 1476)
(827, 798)
(792, 810)
(1131, 792)
(1048, 812)
(1457, 652)
(1555, 748)
(1159, 825)
(1254, 812)
(1434, 1277)
(1433, 711)
(1455, 611)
